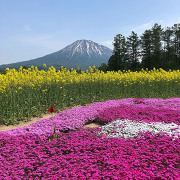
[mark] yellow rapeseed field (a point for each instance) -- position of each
(29, 92)
(32, 77)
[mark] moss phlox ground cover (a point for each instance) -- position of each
(82, 154)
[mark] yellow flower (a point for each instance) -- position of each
(44, 65)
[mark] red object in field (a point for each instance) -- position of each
(51, 109)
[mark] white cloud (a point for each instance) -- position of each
(169, 23)
(107, 43)
(27, 28)
(164, 23)
(141, 28)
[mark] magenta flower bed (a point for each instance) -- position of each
(145, 114)
(82, 154)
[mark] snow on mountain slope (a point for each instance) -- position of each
(86, 47)
(82, 53)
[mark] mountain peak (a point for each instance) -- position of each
(82, 53)
(87, 48)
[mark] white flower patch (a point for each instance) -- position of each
(128, 128)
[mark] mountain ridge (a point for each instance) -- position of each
(82, 53)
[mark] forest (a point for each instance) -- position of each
(155, 48)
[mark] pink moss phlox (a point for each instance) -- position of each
(84, 154)
(26, 153)
(145, 114)
(75, 118)
(69, 119)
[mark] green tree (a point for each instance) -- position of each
(25, 67)
(156, 47)
(133, 46)
(147, 49)
(118, 61)
(167, 54)
(103, 67)
(176, 46)
(156, 36)
(112, 63)
(2, 72)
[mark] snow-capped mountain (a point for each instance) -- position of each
(86, 47)
(82, 53)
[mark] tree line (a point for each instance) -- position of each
(155, 48)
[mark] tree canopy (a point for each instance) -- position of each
(155, 48)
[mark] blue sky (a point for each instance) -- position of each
(34, 28)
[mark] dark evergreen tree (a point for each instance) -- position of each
(118, 60)
(176, 44)
(156, 37)
(25, 67)
(167, 54)
(147, 49)
(133, 45)
(2, 72)
(112, 63)
(159, 48)
(103, 67)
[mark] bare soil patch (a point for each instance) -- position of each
(23, 124)
(92, 125)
